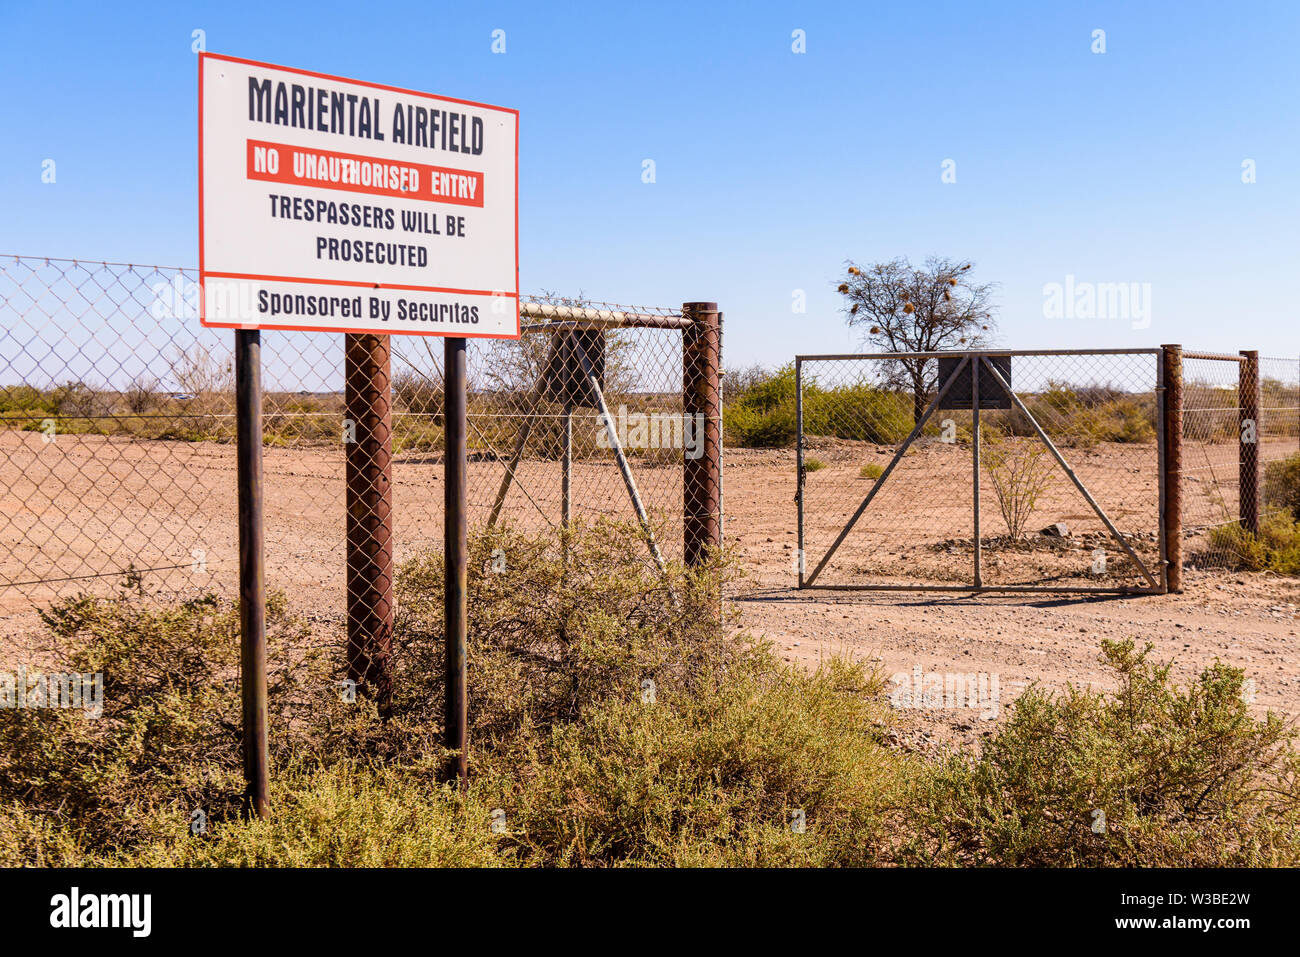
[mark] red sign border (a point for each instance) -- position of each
(203, 273)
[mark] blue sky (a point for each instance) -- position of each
(772, 167)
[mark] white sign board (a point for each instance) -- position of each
(335, 205)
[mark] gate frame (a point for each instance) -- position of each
(700, 326)
(1160, 582)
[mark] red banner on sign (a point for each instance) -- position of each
(326, 169)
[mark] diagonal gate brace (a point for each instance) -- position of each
(898, 457)
(623, 465)
(1078, 483)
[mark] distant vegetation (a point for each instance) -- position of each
(201, 408)
(759, 412)
(763, 414)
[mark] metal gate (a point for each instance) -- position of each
(982, 471)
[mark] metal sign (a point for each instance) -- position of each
(564, 378)
(337, 205)
(992, 395)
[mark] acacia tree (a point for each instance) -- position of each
(903, 308)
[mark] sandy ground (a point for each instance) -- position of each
(75, 508)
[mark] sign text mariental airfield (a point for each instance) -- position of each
(343, 206)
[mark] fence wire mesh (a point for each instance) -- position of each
(117, 438)
(1213, 414)
(1037, 528)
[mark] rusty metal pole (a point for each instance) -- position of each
(702, 401)
(571, 366)
(368, 455)
(455, 561)
(976, 370)
(800, 565)
(252, 571)
(1172, 520)
(1249, 434)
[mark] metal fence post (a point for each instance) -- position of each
(798, 466)
(976, 370)
(1249, 435)
(455, 560)
(252, 571)
(1172, 520)
(368, 456)
(702, 406)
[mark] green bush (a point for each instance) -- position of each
(858, 413)
(1085, 416)
(1183, 777)
(611, 724)
(1276, 548)
(764, 416)
(751, 428)
(1282, 485)
(25, 398)
(714, 778)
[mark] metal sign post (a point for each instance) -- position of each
(336, 205)
(455, 559)
(252, 570)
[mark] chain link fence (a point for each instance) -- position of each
(1067, 486)
(118, 466)
(1067, 477)
(118, 461)
(1214, 415)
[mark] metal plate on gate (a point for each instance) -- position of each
(992, 395)
(564, 378)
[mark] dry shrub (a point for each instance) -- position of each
(555, 630)
(590, 764)
(418, 392)
(1282, 485)
(141, 394)
(1276, 547)
(1021, 471)
(169, 736)
(198, 372)
(1184, 777)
